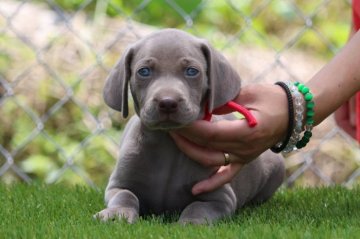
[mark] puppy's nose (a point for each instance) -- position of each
(168, 105)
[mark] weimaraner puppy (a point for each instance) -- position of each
(172, 77)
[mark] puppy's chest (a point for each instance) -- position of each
(160, 174)
(163, 163)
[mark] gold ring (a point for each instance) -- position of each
(226, 159)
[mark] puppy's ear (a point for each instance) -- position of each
(116, 87)
(224, 82)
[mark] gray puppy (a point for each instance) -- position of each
(172, 77)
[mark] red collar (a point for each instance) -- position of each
(236, 107)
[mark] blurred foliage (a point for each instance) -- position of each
(260, 22)
(263, 23)
(42, 155)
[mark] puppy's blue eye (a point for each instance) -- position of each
(144, 72)
(191, 72)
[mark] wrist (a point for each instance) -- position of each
(269, 104)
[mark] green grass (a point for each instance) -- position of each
(56, 211)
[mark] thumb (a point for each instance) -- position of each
(225, 109)
(224, 175)
(222, 110)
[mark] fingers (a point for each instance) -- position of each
(205, 133)
(224, 175)
(215, 154)
(202, 155)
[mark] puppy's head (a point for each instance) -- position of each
(172, 77)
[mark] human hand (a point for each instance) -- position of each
(206, 142)
(345, 117)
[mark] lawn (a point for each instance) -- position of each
(58, 211)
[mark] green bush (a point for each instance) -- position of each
(69, 134)
(277, 21)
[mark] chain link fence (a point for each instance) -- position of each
(55, 55)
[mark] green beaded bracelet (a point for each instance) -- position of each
(309, 104)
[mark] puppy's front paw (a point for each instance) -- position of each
(129, 214)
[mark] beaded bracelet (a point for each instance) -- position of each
(299, 108)
(281, 146)
(309, 121)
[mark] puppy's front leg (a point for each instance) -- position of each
(121, 203)
(210, 207)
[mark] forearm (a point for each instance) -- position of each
(337, 81)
